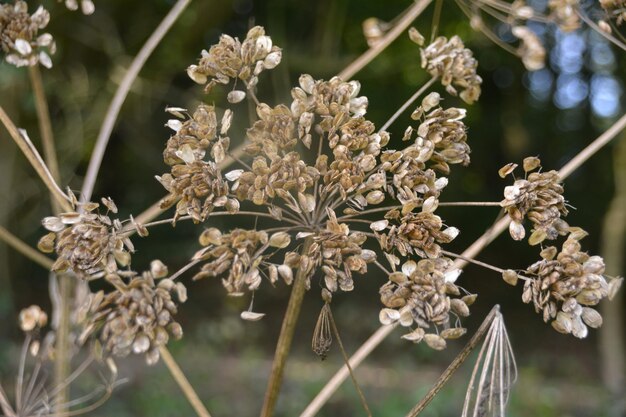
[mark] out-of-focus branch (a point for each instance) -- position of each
(613, 245)
(120, 95)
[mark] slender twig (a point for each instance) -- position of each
(45, 127)
(471, 252)
(479, 263)
(29, 150)
(121, 93)
(183, 383)
(604, 34)
(32, 254)
(407, 103)
(469, 204)
(185, 269)
(454, 365)
(286, 336)
(409, 16)
(347, 362)
(341, 375)
(436, 19)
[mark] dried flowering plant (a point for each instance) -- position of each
(332, 198)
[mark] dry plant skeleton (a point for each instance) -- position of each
(331, 195)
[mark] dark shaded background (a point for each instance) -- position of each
(552, 113)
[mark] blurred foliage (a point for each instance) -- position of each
(228, 359)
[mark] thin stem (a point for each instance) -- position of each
(120, 95)
(130, 229)
(409, 16)
(602, 33)
(436, 20)
(479, 263)
(29, 150)
(23, 248)
(45, 126)
(341, 375)
(347, 362)
(62, 343)
(286, 336)
(471, 252)
(382, 267)
(410, 101)
(185, 268)
(469, 204)
(183, 383)
(454, 365)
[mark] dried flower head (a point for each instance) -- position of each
(19, 37)
(196, 185)
(88, 243)
(86, 6)
(565, 284)
(339, 251)
(565, 14)
(138, 315)
(32, 318)
(455, 65)
(441, 136)
(232, 59)
(238, 252)
(616, 9)
(531, 50)
(424, 294)
(539, 198)
(418, 233)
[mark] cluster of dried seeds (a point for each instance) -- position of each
(564, 13)
(86, 242)
(19, 35)
(194, 184)
(539, 198)
(564, 285)
(232, 59)
(455, 65)
(616, 9)
(138, 315)
(424, 293)
(531, 50)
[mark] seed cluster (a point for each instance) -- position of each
(19, 35)
(86, 242)
(565, 284)
(425, 294)
(455, 65)
(539, 198)
(138, 316)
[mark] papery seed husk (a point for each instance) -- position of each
(453, 333)
(280, 240)
(388, 316)
(435, 341)
(251, 316)
(459, 307)
(506, 170)
(510, 277)
(614, 286)
(236, 96)
(591, 317)
(415, 336)
(531, 163)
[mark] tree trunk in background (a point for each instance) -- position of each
(613, 245)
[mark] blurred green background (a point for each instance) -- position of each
(552, 113)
